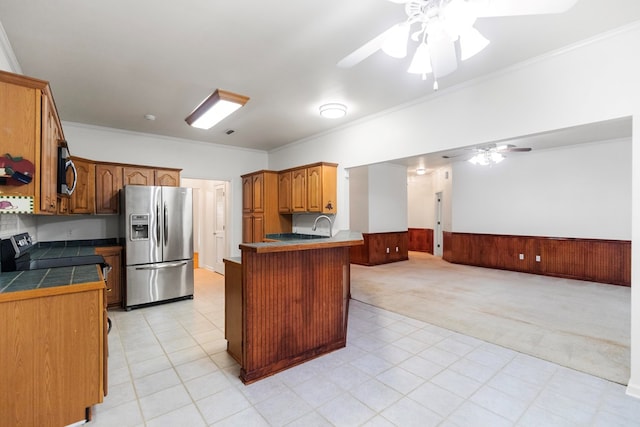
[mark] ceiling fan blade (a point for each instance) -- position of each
(488, 8)
(364, 51)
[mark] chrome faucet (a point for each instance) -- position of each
(315, 224)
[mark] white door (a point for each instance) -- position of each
(219, 233)
(437, 235)
(207, 243)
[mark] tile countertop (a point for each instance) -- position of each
(14, 281)
(343, 238)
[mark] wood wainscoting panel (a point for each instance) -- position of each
(381, 248)
(421, 240)
(604, 261)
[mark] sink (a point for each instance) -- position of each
(295, 236)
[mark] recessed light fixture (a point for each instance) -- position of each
(333, 110)
(216, 107)
(150, 117)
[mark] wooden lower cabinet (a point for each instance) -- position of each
(113, 256)
(54, 354)
(421, 240)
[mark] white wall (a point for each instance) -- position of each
(420, 205)
(590, 82)
(576, 191)
(387, 198)
(378, 198)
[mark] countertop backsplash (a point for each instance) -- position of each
(11, 224)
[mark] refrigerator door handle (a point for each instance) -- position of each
(166, 224)
(161, 266)
(157, 224)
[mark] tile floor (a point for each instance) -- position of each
(168, 367)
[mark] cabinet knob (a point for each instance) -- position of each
(108, 289)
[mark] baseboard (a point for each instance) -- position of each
(633, 389)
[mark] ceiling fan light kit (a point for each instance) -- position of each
(438, 24)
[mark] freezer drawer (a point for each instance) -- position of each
(158, 282)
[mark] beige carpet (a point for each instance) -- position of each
(581, 325)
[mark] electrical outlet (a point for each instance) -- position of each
(537, 258)
(387, 250)
(397, 250)
(521, 257)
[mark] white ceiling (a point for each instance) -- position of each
(112, 62)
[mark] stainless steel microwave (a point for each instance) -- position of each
(66, 183)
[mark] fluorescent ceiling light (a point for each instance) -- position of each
(216, 107)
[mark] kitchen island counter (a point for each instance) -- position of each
(291, 301)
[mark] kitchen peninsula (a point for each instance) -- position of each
(287, 301)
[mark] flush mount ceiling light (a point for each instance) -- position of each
(421, 171)
(216, 107)
(436, 25)
(333, 110)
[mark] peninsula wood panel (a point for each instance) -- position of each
(604, 261)
(295, 308)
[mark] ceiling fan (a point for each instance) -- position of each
(491, 154)
(438, 24)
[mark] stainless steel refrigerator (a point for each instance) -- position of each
(158, 225)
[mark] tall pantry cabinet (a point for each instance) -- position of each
(260, 214)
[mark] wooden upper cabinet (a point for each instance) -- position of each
(133, 175)
(299, 190)
(321, 188)
(108, 185)
(83, 199)
(284, 192)
(167, 177)
(51, 138)
(30, 129)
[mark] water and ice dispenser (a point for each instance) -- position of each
(139, 224)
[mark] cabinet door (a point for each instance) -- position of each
(83, 199)
(167, 178)
(112, 256)
(51, 136)
(19, 131)
(247, 194)
(299, 190)
(108, 185)
(258, 192)
(258, 228)
(138, 176)
(284, 192)
(247, 228)
(314, 189)
(63, 205)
